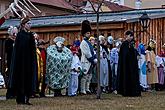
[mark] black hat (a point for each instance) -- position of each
(85, 27)
(129, 33)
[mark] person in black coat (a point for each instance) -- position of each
(9, 44)
(22, 63)
(128, 76)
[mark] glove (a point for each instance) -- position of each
(95, 61)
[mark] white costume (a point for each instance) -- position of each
(73, 84)
(104, 72)
(86, 65)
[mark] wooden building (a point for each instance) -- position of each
(47, 7)
(114, 24)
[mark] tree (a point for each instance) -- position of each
(97, 11)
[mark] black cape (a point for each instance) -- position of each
(9, 50)
(22, 69)
(128, 75)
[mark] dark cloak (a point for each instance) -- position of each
(22, 69)
(9, 49)
(128, 76)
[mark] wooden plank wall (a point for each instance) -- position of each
(155, 31)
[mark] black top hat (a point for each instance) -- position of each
(85, 27)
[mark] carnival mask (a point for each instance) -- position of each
(110, 40)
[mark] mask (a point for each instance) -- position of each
(59, 46)
(110, 40)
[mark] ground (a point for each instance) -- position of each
(148, 101)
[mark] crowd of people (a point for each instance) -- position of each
(124, 69)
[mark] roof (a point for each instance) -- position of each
(126, 16)
(56, 3)
(112, 6)
(77, 3)
(116, 7)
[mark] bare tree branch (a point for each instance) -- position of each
(100, 4)
(92, 6)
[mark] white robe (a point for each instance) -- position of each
(103, 69)
(86, 53)
(73, 84)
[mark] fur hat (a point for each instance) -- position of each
(85, 27)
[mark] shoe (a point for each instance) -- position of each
(42, 95)
(88, 92)
(21, 103)
(81, 93)
(115, 92)
(72, 95)
(27, 103)
(34, 96)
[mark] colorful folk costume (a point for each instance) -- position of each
(160, 61)
(41, 46)
(152, 75)
(93, 84)
(40, 69)
(142, 67)
(128, 74)
(87, 57)
(59, 59)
